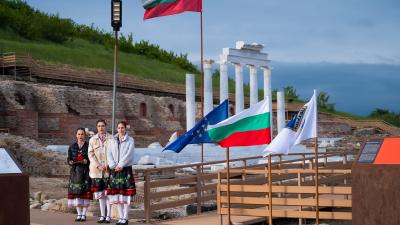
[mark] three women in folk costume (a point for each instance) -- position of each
(102, 167)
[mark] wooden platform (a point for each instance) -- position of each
(39, 217)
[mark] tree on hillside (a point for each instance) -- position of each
(323, 102)
(290, 94)
(386, 115)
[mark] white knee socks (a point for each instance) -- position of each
(105, 203)
(108, 207)
(102, 203)
(126, 211)
(79, 211)
(120, 211)
(84, 210)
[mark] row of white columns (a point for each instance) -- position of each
(239, 92)
(239, 95)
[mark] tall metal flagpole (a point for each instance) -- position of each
(316, 180)
(228, 186)
(270, 177)
(270, 189)
(201, 81)
(316, 161)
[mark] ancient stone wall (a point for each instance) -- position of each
(34, 157)
(52, 113)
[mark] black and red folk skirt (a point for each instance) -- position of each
(79, 186)
(121, 186)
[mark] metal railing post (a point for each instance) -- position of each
(299, 196)
(199, 187)
(147, 209)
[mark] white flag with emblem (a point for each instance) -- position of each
(301, 127)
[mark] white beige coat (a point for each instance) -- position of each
(98, 155)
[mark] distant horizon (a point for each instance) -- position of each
(383, 89)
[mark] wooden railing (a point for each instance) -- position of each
(69, 73)
(17, 65)
(293, 192)
(171, 187)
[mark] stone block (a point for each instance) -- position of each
(35, 205)
(37, 196)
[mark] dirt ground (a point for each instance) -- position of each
(54, 188)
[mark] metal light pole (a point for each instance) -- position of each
(116, 23)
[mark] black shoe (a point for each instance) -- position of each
(124, 222)
(108, 220)
(78, 218)
(83, 218)
(102, 219)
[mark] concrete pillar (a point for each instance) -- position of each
(190, 102)
(239, 89)
(223, 82)
(280, 110)
(253, 85)
(208, 93)
(268, 91)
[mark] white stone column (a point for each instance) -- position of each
(239, 89)
(190, 102)
(281, 122)
(208, 94)
(223, 80)
(253, 85)
(268, 92)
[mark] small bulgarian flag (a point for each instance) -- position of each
(249, 127)
(157, 8)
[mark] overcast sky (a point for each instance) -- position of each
(338, 31)
(313, 44)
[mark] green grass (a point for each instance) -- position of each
(82, 53)
(85, 54)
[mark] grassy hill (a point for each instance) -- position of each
(83, 53)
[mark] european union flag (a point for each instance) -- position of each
(198, 134)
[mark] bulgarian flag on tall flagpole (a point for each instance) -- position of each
(157, 8)
(247, 128)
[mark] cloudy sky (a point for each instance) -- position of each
(307, 32)
(340, 31)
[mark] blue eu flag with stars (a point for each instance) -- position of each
(198, 134)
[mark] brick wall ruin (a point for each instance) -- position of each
(51, 113)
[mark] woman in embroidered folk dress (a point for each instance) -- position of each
(79, 193)
(122, 183)
(99, 170)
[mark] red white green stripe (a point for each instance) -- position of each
(156, 8)
(249, 127)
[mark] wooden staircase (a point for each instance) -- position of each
(380, 124)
